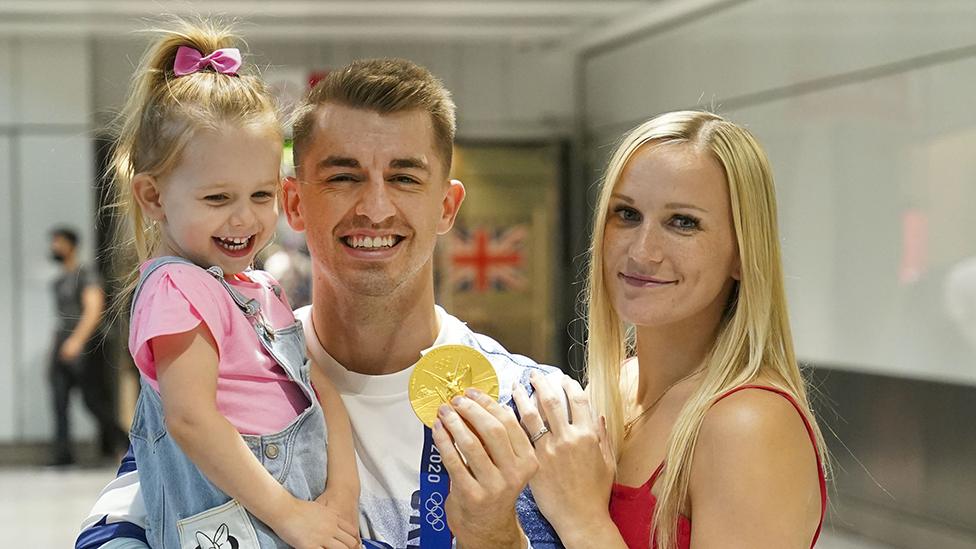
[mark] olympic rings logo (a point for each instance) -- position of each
(435, 511)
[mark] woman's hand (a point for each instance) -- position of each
(576, 468)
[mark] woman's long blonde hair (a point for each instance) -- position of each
(163, 113)
(754, 337)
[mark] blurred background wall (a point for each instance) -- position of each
(864, 107)
(47, 172)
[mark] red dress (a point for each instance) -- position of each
(631, 508)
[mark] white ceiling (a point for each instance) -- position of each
(529, 21)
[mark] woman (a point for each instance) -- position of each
(690, 360)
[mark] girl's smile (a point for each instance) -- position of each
(235, 246)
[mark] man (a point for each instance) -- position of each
(80, 302)
(373, 147)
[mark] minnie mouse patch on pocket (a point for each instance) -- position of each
(223, 527)
(220, 540)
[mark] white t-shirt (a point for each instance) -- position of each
(388, 439)
(387, 435)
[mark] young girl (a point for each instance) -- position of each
(229, 436)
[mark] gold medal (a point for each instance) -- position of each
(444, 373)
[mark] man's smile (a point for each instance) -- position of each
(371, 242)
(371, 245)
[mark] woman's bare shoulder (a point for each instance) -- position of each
(754, 458)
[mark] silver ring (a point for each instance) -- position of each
(538, 435)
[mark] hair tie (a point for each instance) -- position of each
(189, 60)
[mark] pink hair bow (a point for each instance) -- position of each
(189, 61)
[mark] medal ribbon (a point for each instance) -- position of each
(434, 486)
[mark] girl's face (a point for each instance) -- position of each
(219, 204)
(670, 254)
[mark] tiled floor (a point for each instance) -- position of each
(42, 508)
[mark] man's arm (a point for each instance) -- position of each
(117, 521)
(124, 543)
(92, 307)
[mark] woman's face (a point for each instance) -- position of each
(670, 254)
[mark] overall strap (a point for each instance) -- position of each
(266, 279)
(153, 266)
(250, 307)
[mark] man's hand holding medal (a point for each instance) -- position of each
(481, 445)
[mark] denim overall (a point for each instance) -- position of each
(185, 510)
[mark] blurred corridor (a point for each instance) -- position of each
(864, 107)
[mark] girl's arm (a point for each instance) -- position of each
(342, 483)
(186, 366)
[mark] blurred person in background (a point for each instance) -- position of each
(287, 260)
(75, 360)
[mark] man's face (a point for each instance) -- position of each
(61, 248)
(372, 195)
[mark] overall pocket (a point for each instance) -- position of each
(225, 526)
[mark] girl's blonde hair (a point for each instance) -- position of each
(754, 337)
(164, 112)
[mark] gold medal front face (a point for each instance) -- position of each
(444, 373)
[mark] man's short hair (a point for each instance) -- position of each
(384, 86)
(66, 233)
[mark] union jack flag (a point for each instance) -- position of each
(487, 259)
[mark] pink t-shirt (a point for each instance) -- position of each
(253, 392)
